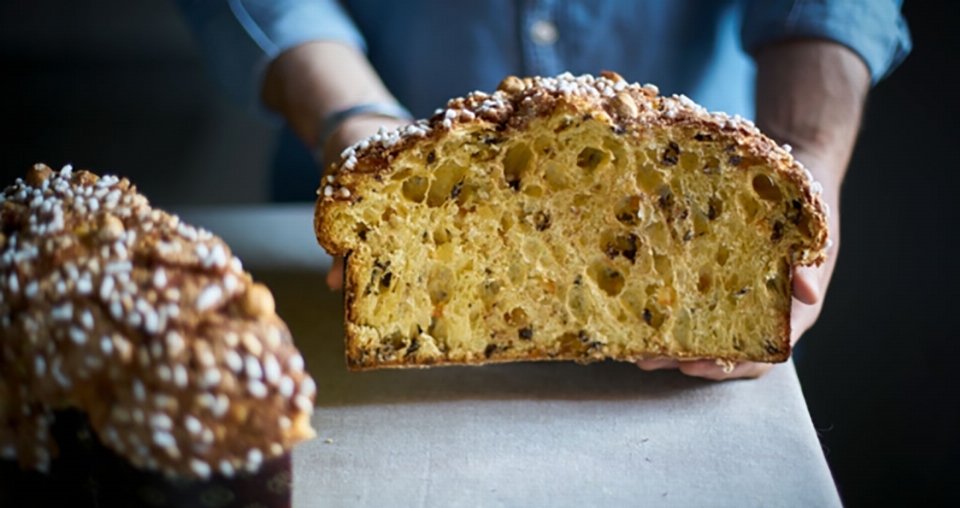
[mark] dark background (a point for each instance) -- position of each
(118, 86)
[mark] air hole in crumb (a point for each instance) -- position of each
(506, 222)
(653, 316)
(627, 210)
(534, 191)
(723, 254)
(689, 161)
(575, 344)
(629, 245)
(618, 150)
(515, 164)
(389, 212)
(446, 177)
(516, 317)
(397, 341)
(440, 284)
(750, 205)
(441, 236)
(556, 176)
(649, 178)
(608, 279)
(590, 158)
(664, 266)
(701, 224)
(765, 188)
(705, 280)
(361, 230)
(415, 188)
(634, 301)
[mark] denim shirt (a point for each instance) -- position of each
(427, 51)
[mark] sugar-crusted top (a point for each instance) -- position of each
(147, 324)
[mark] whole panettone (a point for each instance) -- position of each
(148, 327)
(569, 218)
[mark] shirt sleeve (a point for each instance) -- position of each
(874, 29)
(239, 38)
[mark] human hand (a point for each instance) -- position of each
(809, 288)
(350, 132)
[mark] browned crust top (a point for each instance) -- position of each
(148, 325)
(628, 108)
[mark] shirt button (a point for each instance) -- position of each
(543, 32)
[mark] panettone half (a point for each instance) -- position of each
(569, 218)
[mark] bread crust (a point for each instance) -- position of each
(146, 324)
(628, 110)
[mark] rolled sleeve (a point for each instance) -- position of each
(874, 29)
(239, 38)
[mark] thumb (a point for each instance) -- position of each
(806, 284)
(335, 275)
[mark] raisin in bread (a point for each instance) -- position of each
(569, 218)
(147, 325)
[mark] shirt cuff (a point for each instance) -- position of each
(240, 38)
(874, 29)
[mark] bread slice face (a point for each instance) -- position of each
(569, 218)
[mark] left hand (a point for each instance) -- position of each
(809, 288)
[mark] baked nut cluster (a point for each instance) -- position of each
(148, 325)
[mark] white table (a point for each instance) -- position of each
(548, 434)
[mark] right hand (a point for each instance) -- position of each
(350, 132)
